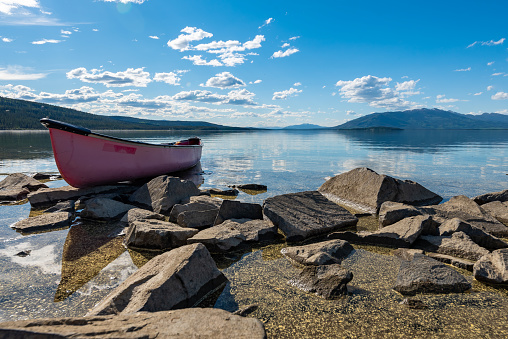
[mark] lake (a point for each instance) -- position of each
(449, 163)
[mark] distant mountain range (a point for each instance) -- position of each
(22, 114)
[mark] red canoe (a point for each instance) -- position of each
(88, 159)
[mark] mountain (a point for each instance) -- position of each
(425, 118)
(22, 114)
(303, 126)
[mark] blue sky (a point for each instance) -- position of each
(256, 63)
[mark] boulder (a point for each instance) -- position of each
(162, 193)
(326, 281)
(306, 214)
(17, 186)
(230, 209)
(401, 234)
(501, 196)
(492, 267)
(176, 279)
(157, 234)
(44, 222)
(104, 209)
(50, 196)
(197, 219)
(203, 323)
(480, 237)
(14, 194)
(253, 230)
(456, 245)
(140, 214)
(390, 212)
(365, 190)
(63, 206)
(426, 275)
(498, 210)
(321, 253)
(195, 204)
(219, 238)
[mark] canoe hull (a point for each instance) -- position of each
(91, 160)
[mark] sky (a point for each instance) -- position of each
(256, 63)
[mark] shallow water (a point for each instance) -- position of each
(68, 271)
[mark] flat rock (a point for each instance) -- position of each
(501, 196)
(14, 194)
(197, 219)
(104, 209)
(44, 222)
(457, 262)
(306, 214)
(480, 237)
(207, 323)
(407, 253)
(365, 190)
(498, 210)
(162, 193)
(195, 204)
(326, 281)
(254, 230)
(50, 196)
(157, 234)
(140, 214)
(230, 209)
(427, 275)
(219, 238)
(390, 212)
(457, 245)
(321, 253)
(63, 206)
(492, 267)
(176, 279)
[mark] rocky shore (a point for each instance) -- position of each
(188, 226)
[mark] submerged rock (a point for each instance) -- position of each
(210, 323)
(426, 275)
(321, 253)
(366, 190)
(305, 214)
(327, 281)
(492, 267)
(176, 279)
(157, 234)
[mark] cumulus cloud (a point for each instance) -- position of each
(296, 84)
(376, 92)
(171, 78)
(199, 61)
(130, 77)
(283, 95)
(46, 41)
(463, 69)
(182, 42)
(490, 88)
(441, 99)
(258, 81)
(487, 43)
(64, 32)
(8, 6)
(235, 97)
(500, 96)
(7, 40)
(286, 53)
(15, 73)
(224, 80)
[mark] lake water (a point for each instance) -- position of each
(446, 162)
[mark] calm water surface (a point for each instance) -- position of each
(447, 162)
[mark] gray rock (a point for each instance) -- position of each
(501, 196)
(326, 281)
(480, 237)
(321, 253)
(176, 279)
(157, 234)
(230, 209)
(17, 186)
(63, 206)
(457, 262)
(50, 196)
(196, 204)
(162, 193)
(492, 267)
(14, 194)
(254, 230)
(252, 187)
(407, 253)
(104, 209)
(225, 193)
(426, 275)
(219, 238)
(498, 210)
(366, 190)
(210, 323)
(44, 222)
(305, 214)
(457, 245)
(140, 214)
(197, 219)
(390, 212)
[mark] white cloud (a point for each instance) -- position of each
(294, 38)
(130, 77)
(285, 94)
(491, 63)
(7, 40)
(487, 43)
(15, 73)
(286, 53)
(376, 92)
(500, 96)
(182, 43)
(155, 37)
(497, 74)
(258, 81)
(285, 45)
(46, 41)
(490, 88)
(198, 60)
(224, 80)
(267, 22)
(479, 93)
(463, 70)
(126, 1)
(7, 6)
(235, 97)
(65, 32)
(441, 99)
(296, 84)
(171, 78)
